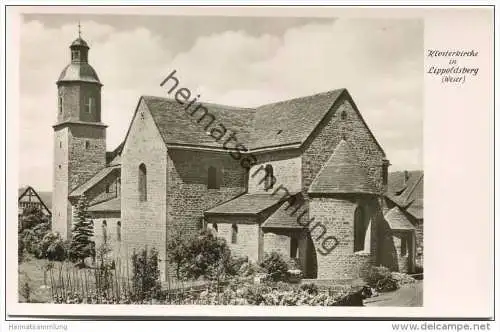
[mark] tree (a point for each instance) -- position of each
(83, 230)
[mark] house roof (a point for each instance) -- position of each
(342, 174)
(112, 205)
(114, 157)
(281, 124)
(45, 198)
(246, 204)
(397, 220)
(410, 195)
(98, 177)
(286, 216)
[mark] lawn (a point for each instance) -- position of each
(30, 275)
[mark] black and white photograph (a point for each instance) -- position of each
(229, 160)
(236, 160)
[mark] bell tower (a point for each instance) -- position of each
(79, 134)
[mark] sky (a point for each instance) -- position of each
(237, 61)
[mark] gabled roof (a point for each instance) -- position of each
(113, 157)
(397, 220)
(282, 124)
(247, 204)
(98, 177)
(342, 174)
(30, 194)
(410, 195)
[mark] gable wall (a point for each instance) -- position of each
(144, 223)
(328, 135)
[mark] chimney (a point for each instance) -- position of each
(407, 176)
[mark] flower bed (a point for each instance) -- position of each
(236, 292)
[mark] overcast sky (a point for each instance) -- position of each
(236, 61)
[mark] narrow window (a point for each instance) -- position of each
(60, 144)
(105, 231)
(119, 231)
(403, 246)
(270, 179)
(343, 115)
(294, 244)
(385, 172)
(215, 227)
(143, 185)
(212, 182)
(90, 104)
(60, 104)
(108, 188)
(234, 234)
(87, 145)
(360, 226)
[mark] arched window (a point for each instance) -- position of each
(143, 183)
(87, 145)
(343, 115)
(269, 183)
(212, 182)
(234, 234)
(215, 227)
(360, 229)
(118, 230)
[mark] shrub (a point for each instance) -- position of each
(53, 248)
(309, 288)
(276, 266)
(145, 274)
(204, 255)
(380, 278)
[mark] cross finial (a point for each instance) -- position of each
(79, 29)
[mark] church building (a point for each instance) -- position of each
(307, 179)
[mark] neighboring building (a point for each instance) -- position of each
(406, 195)
(28, 197)
(240, 171)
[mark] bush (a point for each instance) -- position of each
(380, 278)
(276, 266)
(204, 255)
(309, 288)
(145, 274)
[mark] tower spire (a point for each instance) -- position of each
(79, 30)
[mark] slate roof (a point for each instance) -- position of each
(177, 126)
(81, 72)
(114, 157)
(112, 205)
(397, 220)
(246, 204)
(285, 218)
(342, 174)
(98, 177)
(409, 196)
(283, 123)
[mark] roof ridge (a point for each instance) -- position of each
(302, 97)
(228, 107)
